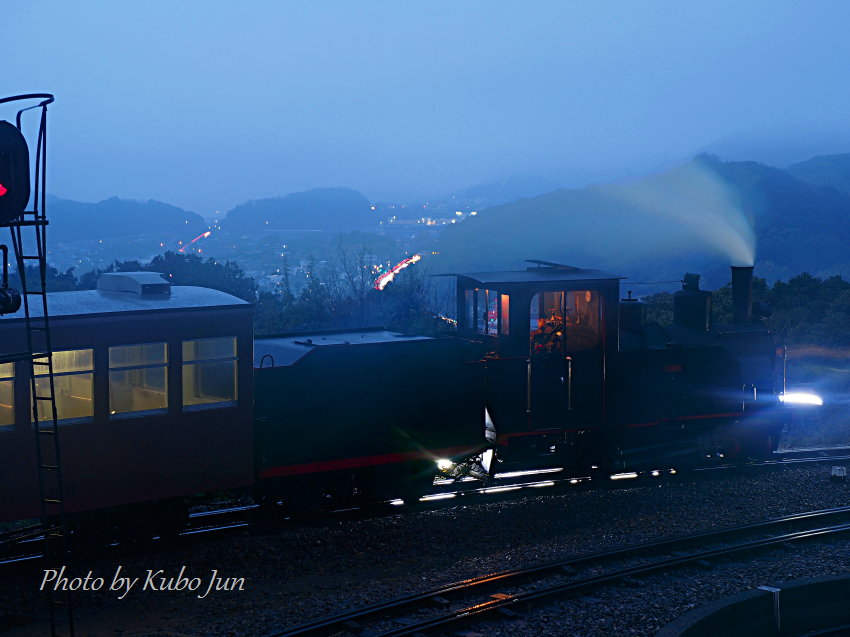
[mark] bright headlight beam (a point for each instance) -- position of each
(800, 398)
(501, 489)
(631, 475)
(437, 496)
(545, 483)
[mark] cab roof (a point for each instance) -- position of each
(542, 272)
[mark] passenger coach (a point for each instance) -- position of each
(153, 387)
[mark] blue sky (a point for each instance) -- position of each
(206, 104)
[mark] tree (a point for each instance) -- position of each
(313, 308)
(354, 269)
(54, 280)
(406, 303)
(190, 269)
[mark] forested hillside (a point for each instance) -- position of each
(332, 209)
(114, 217)
(825, 170)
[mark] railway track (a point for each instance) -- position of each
(556, 476)
(842, 450)
(509, 593)
(25, 544)
(22, 545)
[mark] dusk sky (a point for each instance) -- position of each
(206, 104)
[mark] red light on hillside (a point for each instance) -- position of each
(3, 190)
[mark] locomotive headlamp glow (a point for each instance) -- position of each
(800, 398)
(444, 464)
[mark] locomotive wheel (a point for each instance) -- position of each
(304, 497)
(270, 503)
(169, 518)
(134, 523)
(408, 481)
(757, 445)
(735, 449)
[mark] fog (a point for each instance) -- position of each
(206, 105)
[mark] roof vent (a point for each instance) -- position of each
(141, 283)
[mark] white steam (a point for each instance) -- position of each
(693, 197)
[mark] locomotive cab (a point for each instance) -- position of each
(549, 332)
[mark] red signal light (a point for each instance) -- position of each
(14, 173)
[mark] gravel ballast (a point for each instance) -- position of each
(297, 574)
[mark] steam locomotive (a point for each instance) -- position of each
(163, 392)
(576, 376)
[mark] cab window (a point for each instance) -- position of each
(564, 322)
(486, 311)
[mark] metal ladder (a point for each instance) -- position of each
(30, 247)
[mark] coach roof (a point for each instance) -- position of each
(90, 302)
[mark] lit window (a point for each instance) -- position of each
(565, 322)
(7, 393)
(72, 383)
(504, 314)
(138, 379)
(482, 311)
(209, 372)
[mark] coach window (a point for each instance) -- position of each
(7, 392)
(138, 382)
(72, 384)
(209, 372)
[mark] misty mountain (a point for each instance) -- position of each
(825, 170)
(332, 209)
(701, 216)
(500, 191)
(780, 146)
(114, 217)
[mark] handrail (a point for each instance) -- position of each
(47, 98)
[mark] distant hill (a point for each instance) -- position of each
(331, 209)
(702, 216)
(500, 191)
(114, 217)
(825, 170)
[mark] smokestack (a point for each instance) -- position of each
(742, 293)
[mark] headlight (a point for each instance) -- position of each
(800, 398)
